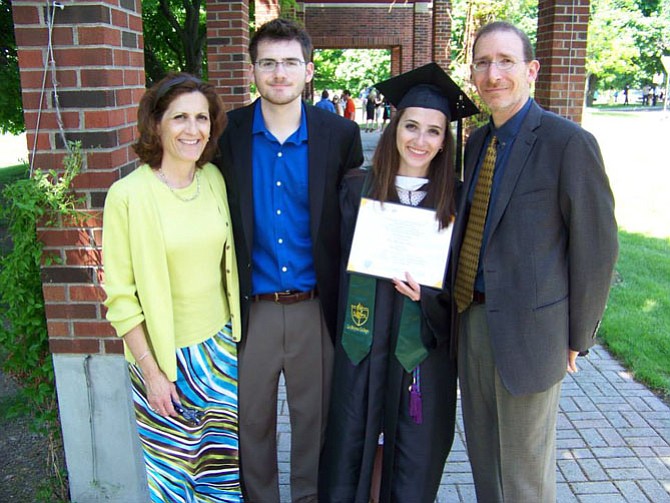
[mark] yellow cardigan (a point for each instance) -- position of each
(136, 272)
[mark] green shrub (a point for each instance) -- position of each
(44, 199)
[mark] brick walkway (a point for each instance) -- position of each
(613, 435)
(613, 441)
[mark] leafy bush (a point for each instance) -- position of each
(42, 200)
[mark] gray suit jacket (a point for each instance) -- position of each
(334, 145)
(550, 252)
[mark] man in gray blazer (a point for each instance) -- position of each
(533, 252)
(283, 161)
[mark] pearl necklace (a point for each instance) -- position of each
(188, 199)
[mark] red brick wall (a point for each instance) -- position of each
(423, 35)
(364, 27)
(227, 42)
(99, 61)
(441, 42)
(561, 50)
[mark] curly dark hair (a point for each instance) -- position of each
(441, 189)
(155, 102)
(281, 30)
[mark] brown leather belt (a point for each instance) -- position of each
(289, 297)
(478, 297)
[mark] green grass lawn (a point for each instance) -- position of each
(636, 326)
(11, 173)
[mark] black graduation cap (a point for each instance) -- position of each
(430, 87)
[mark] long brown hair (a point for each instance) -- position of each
(386, 163)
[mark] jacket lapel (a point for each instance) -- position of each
(318, 141)
(241, 144)
(515, 165)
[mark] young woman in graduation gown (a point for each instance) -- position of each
(394, 386)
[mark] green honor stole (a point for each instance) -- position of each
(359, 324)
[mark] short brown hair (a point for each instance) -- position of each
(283, 30)
(496, 26)
(155, 102)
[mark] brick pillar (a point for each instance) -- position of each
(423, 35)
(561, 49)
(227, 43)
(266, 10)
(396, 60)
(442, 33)
(99, 68)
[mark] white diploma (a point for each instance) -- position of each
(391, 239)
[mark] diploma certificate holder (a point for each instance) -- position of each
(391, 239)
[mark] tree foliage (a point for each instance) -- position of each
(626, 40)
(11, 108)
(470, 15)
(352, 69)
(175, 37)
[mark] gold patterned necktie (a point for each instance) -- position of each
(468, 259)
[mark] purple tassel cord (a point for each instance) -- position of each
(415, 407)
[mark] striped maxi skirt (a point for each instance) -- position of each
(186, 462)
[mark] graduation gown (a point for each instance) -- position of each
(373, 396)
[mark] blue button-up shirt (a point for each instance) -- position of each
(282, 250)
(506, 135)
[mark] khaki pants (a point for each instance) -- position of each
(292, 339)
(511, 440)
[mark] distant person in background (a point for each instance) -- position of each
(337, 104)
(386, 115)
(625, 95)
(350, 106)
(325, 103)
(370, 108)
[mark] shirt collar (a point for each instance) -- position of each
(508, 131)
(297, 137)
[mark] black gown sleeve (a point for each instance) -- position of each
(436, 310)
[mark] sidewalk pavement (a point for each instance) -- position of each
(613, 441)
(613, 435)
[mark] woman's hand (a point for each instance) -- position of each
(161, 392)
(408, 288)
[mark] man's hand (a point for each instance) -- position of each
(572, 361)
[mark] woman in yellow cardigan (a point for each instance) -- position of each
(172, 294)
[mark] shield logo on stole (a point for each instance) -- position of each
(359, 314)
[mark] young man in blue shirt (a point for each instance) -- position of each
(283, 161)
